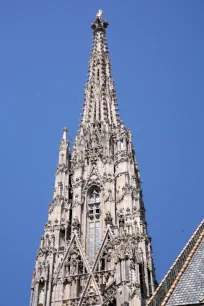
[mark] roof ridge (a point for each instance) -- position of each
(168, 284)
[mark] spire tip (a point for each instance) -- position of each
(99, 23)
(99, 14)
(64, 137)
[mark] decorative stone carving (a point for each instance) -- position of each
(81, 249)
(108, 219)
(75, 224)
(121, 220)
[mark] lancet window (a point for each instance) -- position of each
(93, 200)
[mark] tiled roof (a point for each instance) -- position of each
(183, 273)
(190, 287)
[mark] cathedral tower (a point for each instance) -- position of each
(95, 249)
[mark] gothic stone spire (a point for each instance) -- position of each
(100, 95)
(95, 249)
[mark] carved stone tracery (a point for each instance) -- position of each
(97, 194)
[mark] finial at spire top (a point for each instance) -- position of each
(99, 23)
(99, 14)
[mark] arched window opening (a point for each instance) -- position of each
(78, 287)
(66, 286)
(62, 237)
(141, 274)
(149, 282)
(127, 270)
(93, 199)
(113, 303)
(41, 294)
(121, 144)
(102, 263)
(97, 268)
(121, 271)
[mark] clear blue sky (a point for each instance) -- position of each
(157, 51)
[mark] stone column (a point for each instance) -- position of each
(31, 297)
(45, 294)
(36, 293)
(146, 278)
(49, 291)
(152, 281)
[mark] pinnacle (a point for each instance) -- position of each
(64, 136)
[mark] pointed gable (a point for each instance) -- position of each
(75, 248)
(93, 178)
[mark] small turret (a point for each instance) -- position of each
(61, 183)
(64, 148)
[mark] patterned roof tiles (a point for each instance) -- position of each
(185, 275)
(190, 287)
